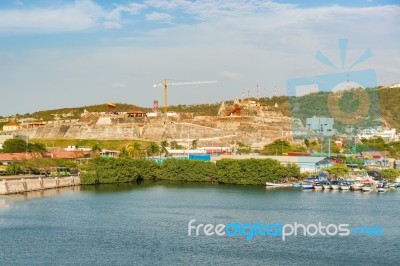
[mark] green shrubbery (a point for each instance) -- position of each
(254, 171)
(390, 174)
(249, 171)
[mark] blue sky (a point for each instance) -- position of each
(71, 53)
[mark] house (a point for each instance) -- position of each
(11, 126)
(7, 158)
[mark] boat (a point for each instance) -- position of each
(326, 185)
(382, 186)
(368, 186)
(344, 185)
(318, 186)
(381, 189)
(307, 186)
(269, 184)
(296, 185)
(334, 185)
(356, 186)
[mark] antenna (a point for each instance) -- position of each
(258, 99)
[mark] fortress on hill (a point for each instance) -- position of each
(247, 122)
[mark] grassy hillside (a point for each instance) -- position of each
(390, 106)
(384, 104)
(104, 144)
(77, 111)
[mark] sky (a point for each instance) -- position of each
(56, 54)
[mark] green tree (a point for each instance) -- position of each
(394, 149)
(96, 147)
(339, 170)
(129, 151)
(243, 148)
(14, 146)
(390, 174)
(37, 148)
(163, 146)
(307, 143)
(137, 147)
(13, 169)
(152, 148)
(194, 144)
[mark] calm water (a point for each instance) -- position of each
(147, 225)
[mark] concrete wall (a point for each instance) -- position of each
(25, 185)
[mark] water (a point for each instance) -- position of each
(147, 225)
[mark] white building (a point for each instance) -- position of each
(388, 135)
(11, 126)
(396, 85)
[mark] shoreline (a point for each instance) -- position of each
(23, 185)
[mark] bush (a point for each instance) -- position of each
(250, 171)
(187, 170)
(390, 173)
(254, 171)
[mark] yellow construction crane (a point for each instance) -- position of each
(164, 83)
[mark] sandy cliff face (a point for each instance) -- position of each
(252, 130)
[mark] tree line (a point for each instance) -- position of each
(100, 170)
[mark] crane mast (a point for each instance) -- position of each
(165, 85)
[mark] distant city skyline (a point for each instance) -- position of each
(56, 54)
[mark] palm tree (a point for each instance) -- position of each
(164, 145)
(130, 150)
(136, 148)
(153, 148)
(194, 144)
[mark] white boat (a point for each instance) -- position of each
(382, 189)
(344, 187)
(335, 185)
(307, 186)
(318, 187)
(366, 188)
(327, 186)
(269, 184)
(356, 186)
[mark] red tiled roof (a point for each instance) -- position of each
(63, 155)
(15, 156)
(11, 123)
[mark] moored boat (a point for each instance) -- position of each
(334, 185)
(326, 185)
(367, 186)
(318, 186)
(381, 189)
(382, 186)
(307, 186)
(269, 184)
(344, 185)
(356, 186)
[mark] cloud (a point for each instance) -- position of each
(111, 25)
(118, 85)
(156, 16)
(80, 15)
(231, 75)
(132, 9)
